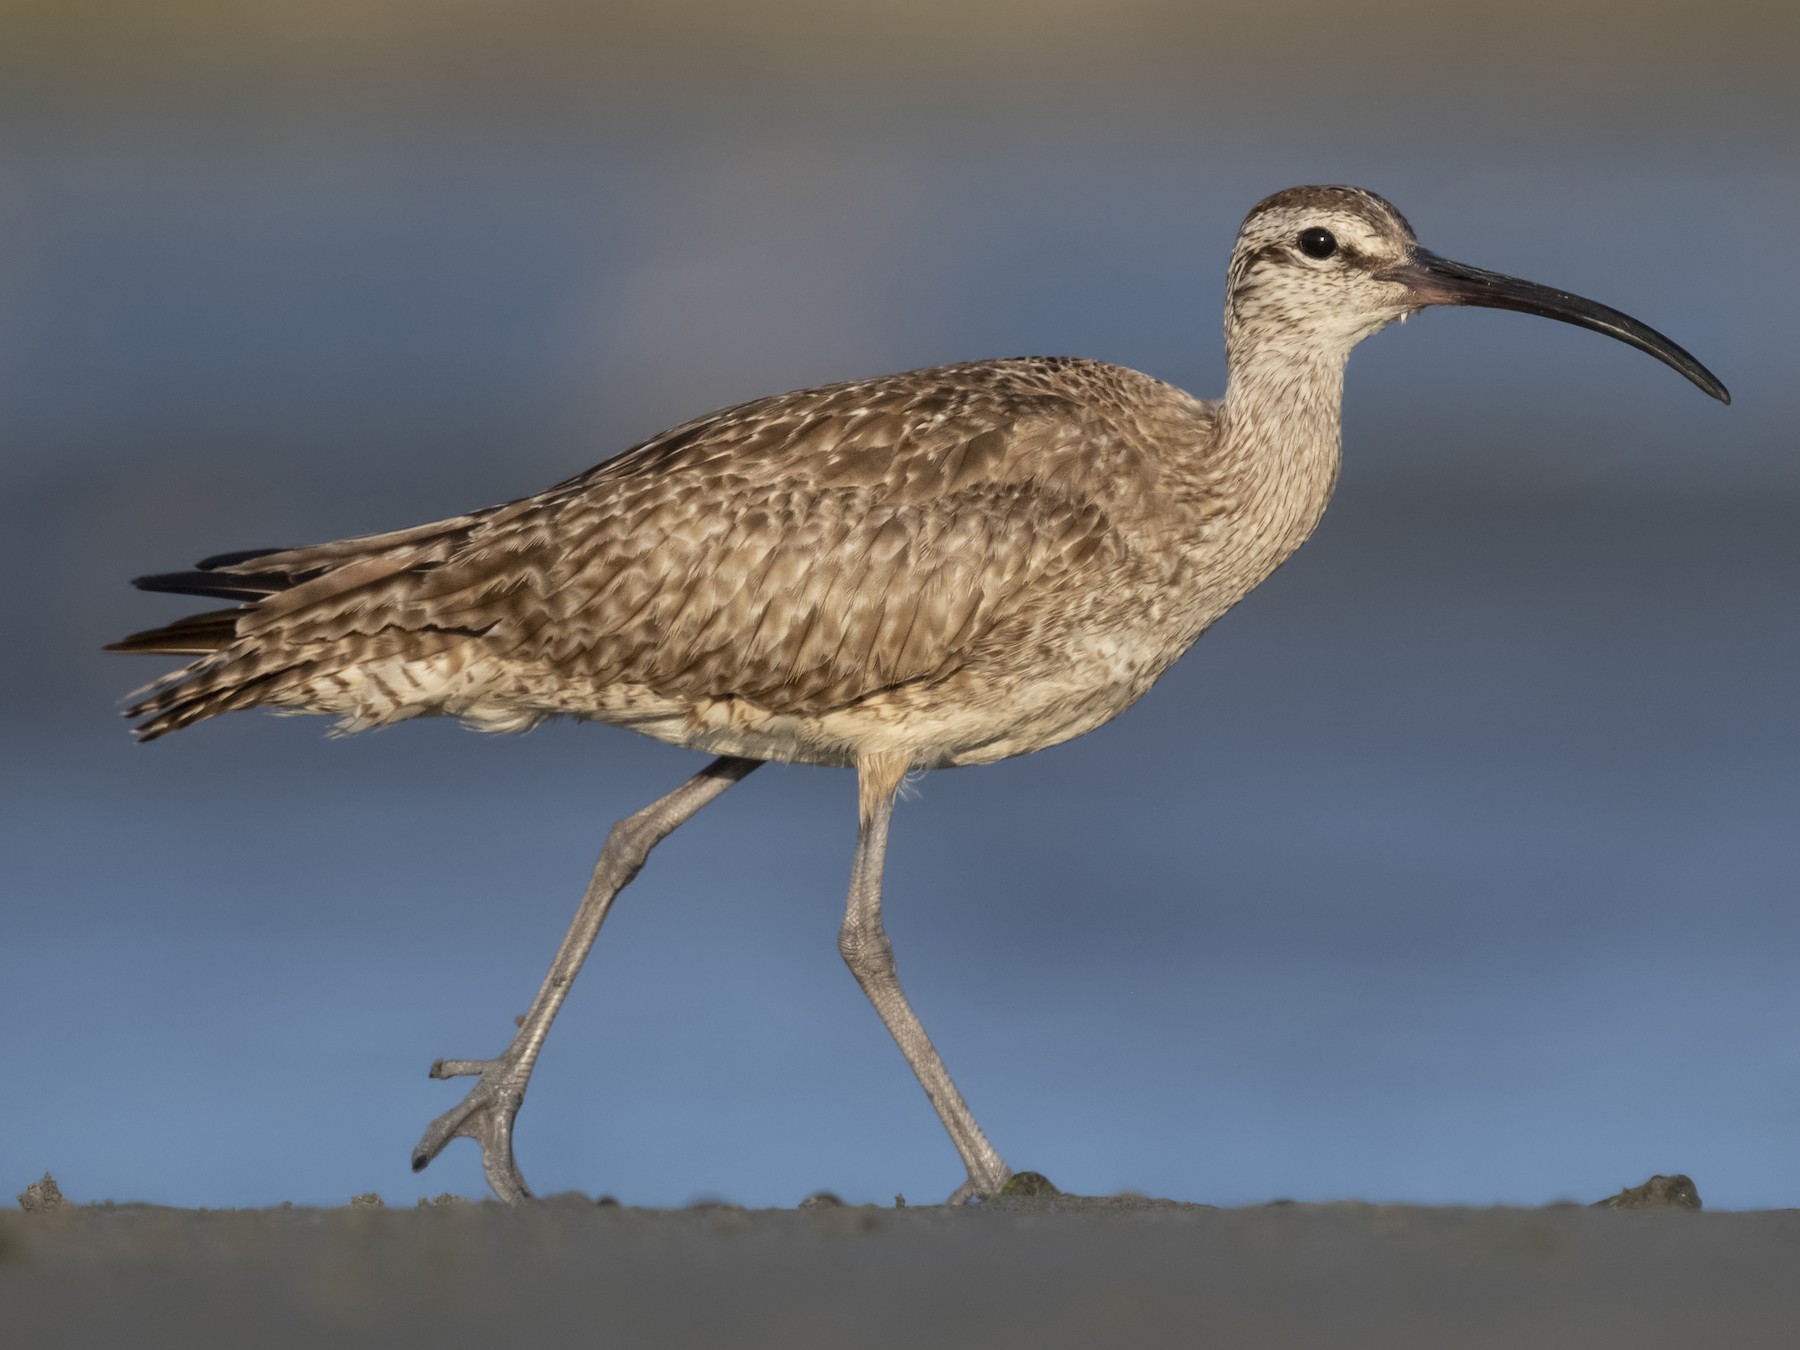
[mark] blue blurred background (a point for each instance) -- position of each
(1459, 865)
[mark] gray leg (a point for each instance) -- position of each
(486, 1114)
(870, 956)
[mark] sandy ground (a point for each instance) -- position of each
(1045, 1272)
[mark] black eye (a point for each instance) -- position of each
(1318, 243)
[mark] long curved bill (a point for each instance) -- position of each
(1439, 281)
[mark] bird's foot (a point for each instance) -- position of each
(993, 1181)
(486, 1116)
(967, 1193)
(1010, 1186)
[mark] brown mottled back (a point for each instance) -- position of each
(798, 553)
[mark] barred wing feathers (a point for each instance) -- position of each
(799, 553)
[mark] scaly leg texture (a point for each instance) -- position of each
(866, 950)
(486, 1114)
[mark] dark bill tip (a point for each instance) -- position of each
(1439, 281)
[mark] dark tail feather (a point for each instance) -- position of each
(232, 671)
(215, 586)
(195, 635)
(222, 585)
(243, 555)
(202, 634)
(211, 577)
(205, 687)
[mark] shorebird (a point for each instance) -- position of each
(944, 567)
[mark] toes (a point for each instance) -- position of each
(440, 1132)
(460, 1068)
(485, 1116)
(964, 1193)
(1007, 1183)
(503, 1177)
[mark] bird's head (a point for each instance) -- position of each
(1318, 269)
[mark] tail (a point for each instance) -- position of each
(251, 653)
(215, 683)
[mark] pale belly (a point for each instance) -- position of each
(975, 716)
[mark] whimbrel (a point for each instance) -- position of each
(943, 567)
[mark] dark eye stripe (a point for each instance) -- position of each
(1284, 252)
